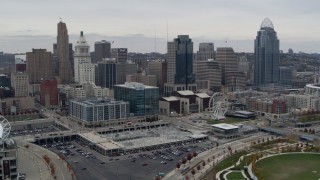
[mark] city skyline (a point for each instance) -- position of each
(142, 22)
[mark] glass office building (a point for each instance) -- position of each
(143, 100)
(266, 55)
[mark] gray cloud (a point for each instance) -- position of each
(141, 43)
(133, 24)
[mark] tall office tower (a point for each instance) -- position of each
(7, 63)
(63, 52)
(213, 74)
(266, 55)
(55, 60)
(180, 65)
(107, 73)
(84, 71)
(121, 54)
(102, 49)
(206, 51)
(20, 84)
(244, 66)
(71, 60)
(204, 72)
(285, 75)
(141, 77)
(39, 65)
(159, 68)
(124, 69)
(227, 60)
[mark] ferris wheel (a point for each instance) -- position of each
(218, 105)
(5, 128)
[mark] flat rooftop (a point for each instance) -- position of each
(171, 98)
(245, 112)
(225, 126)
(203, 95)
(101, 141)
(158, 136)
(186, 92)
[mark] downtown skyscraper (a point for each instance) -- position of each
(39, 65)
(65, 69)
(102, 49)
(84, 70)
(180, 74)
(266, 55)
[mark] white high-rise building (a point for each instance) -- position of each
(20, 84)
(84, 71)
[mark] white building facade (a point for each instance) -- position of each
(84, 71)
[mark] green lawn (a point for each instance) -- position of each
(290, 167)
(229, 161)
(310, 118)
(235, 176)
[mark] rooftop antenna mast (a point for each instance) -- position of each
(155, 41)
(167, 31)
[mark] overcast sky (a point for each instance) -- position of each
(141, 25)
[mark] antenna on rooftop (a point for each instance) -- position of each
(167, 30)
(60, 19)
(155, 41)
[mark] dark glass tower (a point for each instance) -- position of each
(266, 55)
(180, 60)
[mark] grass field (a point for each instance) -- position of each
(235, 176)
(229, 161)
(290, 167)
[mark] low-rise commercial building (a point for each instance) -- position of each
(227, 131)
(184, 102)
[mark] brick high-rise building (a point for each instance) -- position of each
(39, 65)
(63, 52)
(49, 93)
(21, 67)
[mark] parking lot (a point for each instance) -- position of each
(88, 164)
(29, 130)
